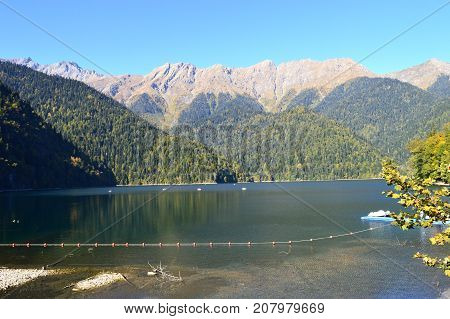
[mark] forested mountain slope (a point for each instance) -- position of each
(386, 112)
(292, 145)
(33, 155)
(110, 134)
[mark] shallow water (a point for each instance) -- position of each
(375, 264)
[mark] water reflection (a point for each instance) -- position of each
(73, 219)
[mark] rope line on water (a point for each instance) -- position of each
(186, 244)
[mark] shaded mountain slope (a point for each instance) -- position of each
(33, 155)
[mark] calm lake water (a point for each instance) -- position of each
(376, 264)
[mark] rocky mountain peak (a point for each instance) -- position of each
(422, 75)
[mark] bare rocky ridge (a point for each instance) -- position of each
(66, 69)
(423, 75)
(170, 89)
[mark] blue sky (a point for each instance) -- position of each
(136, 36)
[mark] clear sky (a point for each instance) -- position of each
(136, 36)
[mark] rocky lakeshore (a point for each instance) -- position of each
(16, 277)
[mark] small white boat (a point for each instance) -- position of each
(244, 189)
(384, 216)
(199, 189)
(381, 215)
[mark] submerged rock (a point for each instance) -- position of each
(97, 281)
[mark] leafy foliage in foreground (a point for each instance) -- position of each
(110, 134)
(430, 157)
(33, 155)
(425, 205)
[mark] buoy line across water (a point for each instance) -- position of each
(187, 244)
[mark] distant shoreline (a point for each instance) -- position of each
(257, 182)
(192, 184)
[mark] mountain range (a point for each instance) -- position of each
(179, 123)
(167, 93)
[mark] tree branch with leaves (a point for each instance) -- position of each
(423, 205)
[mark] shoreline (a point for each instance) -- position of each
(192, 184)
(128, 281)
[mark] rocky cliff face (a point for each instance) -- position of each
(69, 70)
(178, 84)
(423, 75)
(171, 89)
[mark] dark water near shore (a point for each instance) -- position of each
(377, 264)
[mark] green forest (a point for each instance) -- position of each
(297, 144)
(220, 138)
(33, 155)
(430, 157)
(387, 113)
(109, 134)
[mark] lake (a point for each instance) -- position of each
(373, 264)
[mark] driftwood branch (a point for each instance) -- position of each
(162, 275)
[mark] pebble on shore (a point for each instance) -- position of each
(97, 281)
(16, 277)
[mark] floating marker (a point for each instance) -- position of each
(199, 189)
(109, 191)
(178, 244)
(244, 189)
